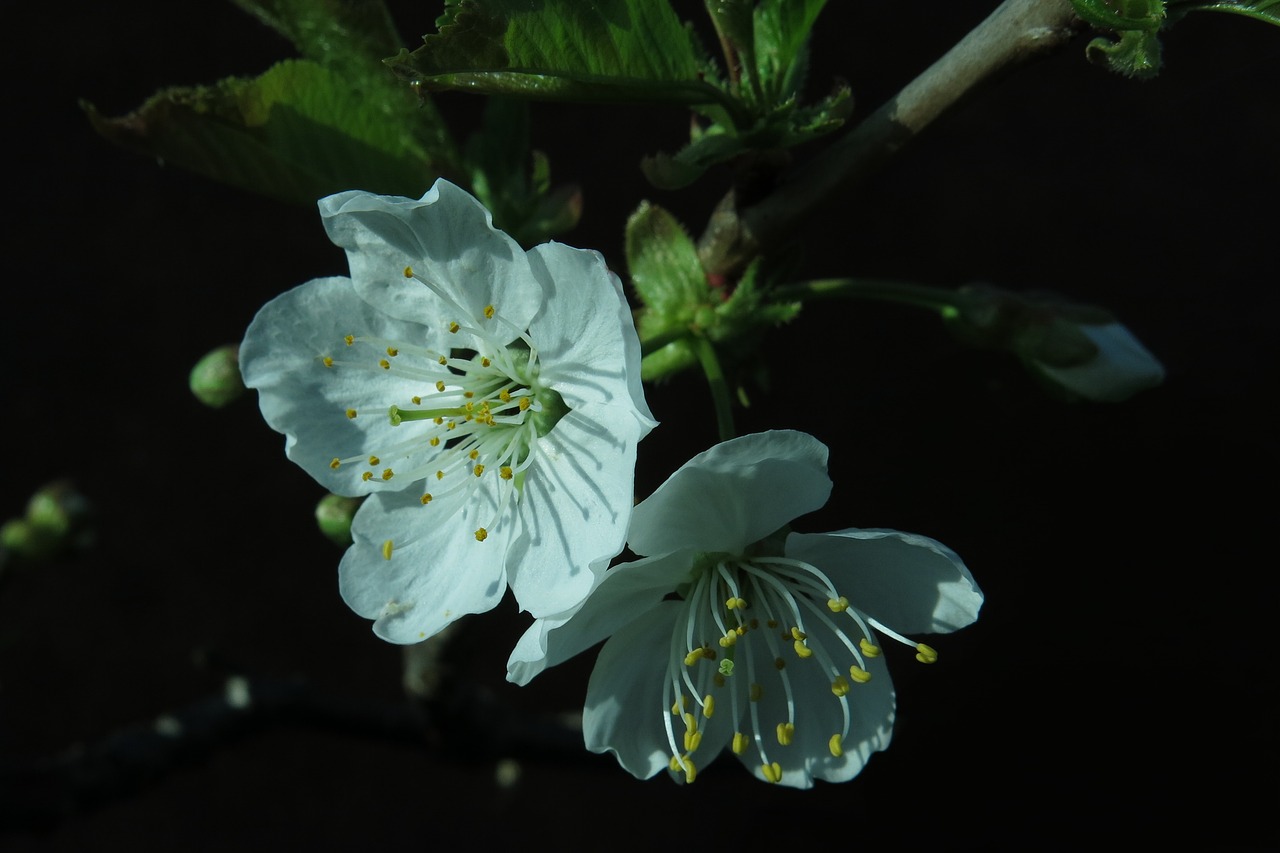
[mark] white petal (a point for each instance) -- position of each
(447, 237)
(620, 595)
(734, 494)
(908, 582)
(585, 335)
(574, 508)
(308, 402)
(1122, 368)
(819, 716)
(437, 572)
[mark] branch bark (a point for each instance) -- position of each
(1014, 33)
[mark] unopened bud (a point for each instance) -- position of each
(334, 514)
(216, 380)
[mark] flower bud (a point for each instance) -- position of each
(215, 379)
(333, 516)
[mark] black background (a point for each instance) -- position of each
(1118, 687)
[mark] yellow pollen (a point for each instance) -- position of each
(926, 654)
(693, 657)
(729, 639)
(351, 414)
(708, 705)
(328, 362)
(468, 394)
(692, 740)
(524, 403)
(335, 463)
(387, 473)
(386, 549)
(451, 425)
(802, 651)
(756, 692)
(384, 364)
(393, 352)
(505, 472)
(350, 339)
(739, 743)
(439, 475)
(482, 534)
(869, 648)
(437, 421)
(408, 272)
(453, 328)
(836, 745)
(779, 663)
(488, 312)
(417, 401)
(373, 460)
(686, 764)
(840, 686)
(366, 476)
(680, 706)
(690, 721)
(772, 772)
(439, 384)
(479, 469)
(434, 441)
(786, 731)
(797, 634)
(426, 498)
(838, 605)
(859, 674)
(484, 361)
(474, 454)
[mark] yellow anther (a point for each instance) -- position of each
(740, 743)
(437, 420)
(926, 654)
(373, 460)
(838, 605)
(708, 705)
(730, 603)
(859, 674)
(690, 721)
(351, 414)
(453, 328)
(439, 384)
(692, 740)
(504, 395)
(690, 772)
(327, 361)
(797, 634)
(451, 425)
(802, 651)
(488, 312)
(484, 361)
(335, 463)
(387, 548)
(680, 705)
(426, 498)
(439, 475)
(474, 454)
(393, 352)
(756, 692)
(481, 534)
(869, 648)
(836, 745)
(772, 772)
(728, 639)
(674, 764)
(408, 272)
(366, 476)
(524, 403)
(468, 395)
(786, 731)
(694, 656)
(505, 472)
(387, 473)
(384, 364)
(479, 469)
(417, 401)
(350, 339)
(434, 441)
(779, 663)
(840, 685)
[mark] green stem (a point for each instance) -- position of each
(648, 346)
(937, 299)
(719, 387)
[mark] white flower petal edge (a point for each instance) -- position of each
(487, 398)
(769, 647)
(1122, 367)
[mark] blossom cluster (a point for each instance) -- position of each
(485, 402)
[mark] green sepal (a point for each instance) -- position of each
(296, 133)
(1136, 54)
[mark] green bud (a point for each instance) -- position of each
(333, 516)
(215, 380)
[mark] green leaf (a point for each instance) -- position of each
(608, 50)
(297, 133)
(782, 29)
(663, 264)
(1267, 11)
(339, 34)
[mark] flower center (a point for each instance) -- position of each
(472, 431)
(747, 619)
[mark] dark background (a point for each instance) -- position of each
(1117, 689)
